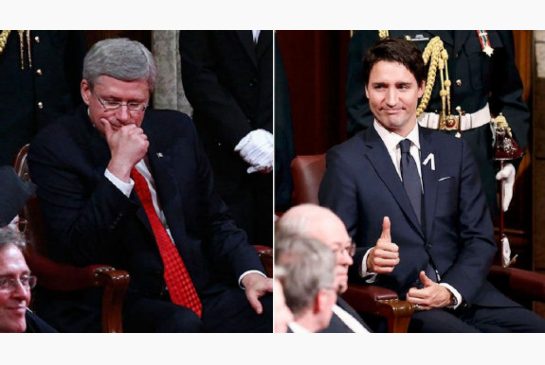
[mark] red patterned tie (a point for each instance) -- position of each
(179, 284)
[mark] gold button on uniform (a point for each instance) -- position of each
(458, 82)
(40, 105)
(37, 39)
(39, 72)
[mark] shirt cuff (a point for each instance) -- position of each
(456, 294)
(125, 188)
(246, 273)
(369, 277)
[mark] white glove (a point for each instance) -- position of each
(507, 174)
(505, 252)
(257, 149)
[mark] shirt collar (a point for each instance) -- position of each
(392, 139)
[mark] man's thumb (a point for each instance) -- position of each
(385, 235)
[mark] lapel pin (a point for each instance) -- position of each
(431, 160)
(159, 154)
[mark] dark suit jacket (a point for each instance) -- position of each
(483, 79)
(361, 186)
(336, 325)
(35, 324)
(91, 221)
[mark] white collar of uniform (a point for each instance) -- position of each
(297, 328)
(349, 320)
(392, 139)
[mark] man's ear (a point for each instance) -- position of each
(85, 90)
(421, 89)
(324, 300)
(366, 92)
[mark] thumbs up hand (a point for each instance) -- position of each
(383, 258)
(432, 295)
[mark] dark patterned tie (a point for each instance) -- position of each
(410, 177)
(179, 283)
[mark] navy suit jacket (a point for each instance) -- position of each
(90, 221)
(362, 186)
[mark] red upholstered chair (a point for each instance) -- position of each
(63, 277)
(307, 172)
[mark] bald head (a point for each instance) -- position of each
(319, 223)
(314, 222)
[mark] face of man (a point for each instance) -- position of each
(393, 95)
(13, 301)
(108, 92)
(331, 231)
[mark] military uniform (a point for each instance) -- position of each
(481, 85)
(39, 81)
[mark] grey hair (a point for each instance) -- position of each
(122, 59)
(11, 236)
(305, 266)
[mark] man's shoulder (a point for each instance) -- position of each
(353, 144)
(163, 118)
(68, 126)
(439, 138)
(169, 127)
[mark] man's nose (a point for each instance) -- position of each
(345, 259)
(20, 290)
(123, 113)
(391, 97)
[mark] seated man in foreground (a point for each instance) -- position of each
(412, 199)
(122, 185)
(318, 223)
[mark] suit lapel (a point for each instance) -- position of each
(429, 179)
(161, 167)
(245, 37)
(264, 42)
(380, 159)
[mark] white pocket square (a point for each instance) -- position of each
(444, 178)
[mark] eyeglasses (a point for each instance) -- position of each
(348, 248)
(112, 105)
(11, 284)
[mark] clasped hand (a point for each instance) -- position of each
(128, 144)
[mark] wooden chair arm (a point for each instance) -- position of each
(115, 283)
(383, 302)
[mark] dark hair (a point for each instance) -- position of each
(395, 50)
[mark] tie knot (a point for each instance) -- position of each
(405, 146)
